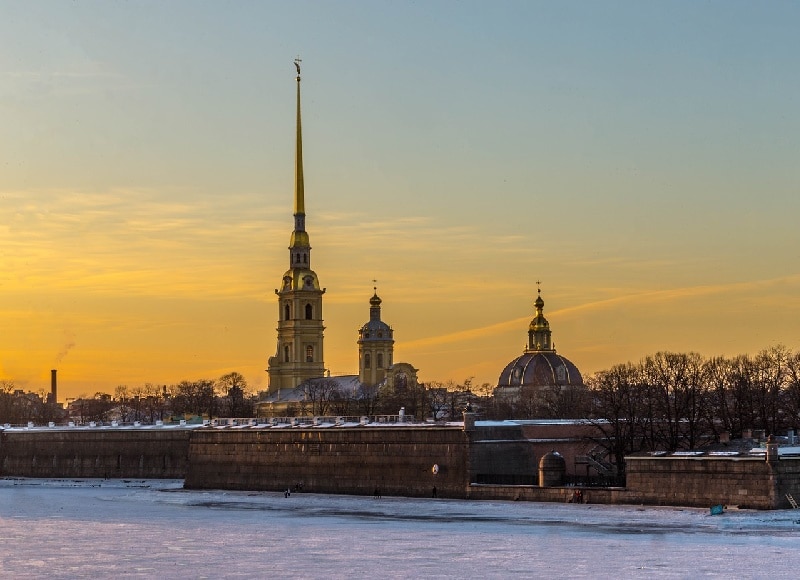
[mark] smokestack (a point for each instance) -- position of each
(53, 387)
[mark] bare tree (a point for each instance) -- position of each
(7, 406)
(318, 395)
(153, 402)
(770, 369)
(792, 392)
(566, 402)
(122, 397)
(720, 410)
(366, 400)
(675, 389)
(617, 408)
(439, 401)
(195, 398)
(236, 403)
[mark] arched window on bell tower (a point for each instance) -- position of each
(309, 312)
(380, 360)
(367, 361)
(309, 353)
(287, 312)
(286, 353)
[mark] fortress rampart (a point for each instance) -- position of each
(99, 452)
(491, 461)
(747, 482)
(403, 461)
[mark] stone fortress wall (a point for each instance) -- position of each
(403, 461)
(495, 461)
(95, 452)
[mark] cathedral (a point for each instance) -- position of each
(300, 331)
(299, 358)
(298, 366)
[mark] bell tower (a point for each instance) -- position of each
(375, 346)
(299, 354)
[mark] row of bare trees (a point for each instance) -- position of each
(535, 402)
(227, 395)
(419, 401)
(325, 397)
(671, 401)
(666, 401)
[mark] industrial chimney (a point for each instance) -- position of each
(53, 387)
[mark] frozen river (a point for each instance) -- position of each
(147, 529)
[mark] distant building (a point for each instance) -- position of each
(378, 373)
(297, 370)
(376, 366)
(401, 377)
(539, 366)
(375, 346)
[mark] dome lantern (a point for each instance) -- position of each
(539, 335)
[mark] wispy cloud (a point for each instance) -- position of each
(637, 298)
(674, 294)
(410, 233)
(81, 79)
(466, 335)
(133, 241)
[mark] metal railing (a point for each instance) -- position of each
(316, 421)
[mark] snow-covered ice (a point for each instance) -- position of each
(134, 528)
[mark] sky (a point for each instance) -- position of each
(638, 159)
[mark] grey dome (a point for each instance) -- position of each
(540, 369)
(375, 329)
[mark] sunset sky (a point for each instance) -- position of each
(640, 159)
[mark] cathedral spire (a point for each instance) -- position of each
(299, 202)
(299, 245)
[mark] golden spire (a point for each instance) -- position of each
(299, 239)
(299, 203)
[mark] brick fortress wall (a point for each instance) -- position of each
(747, 482)
(103, 453)
(394, 460)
